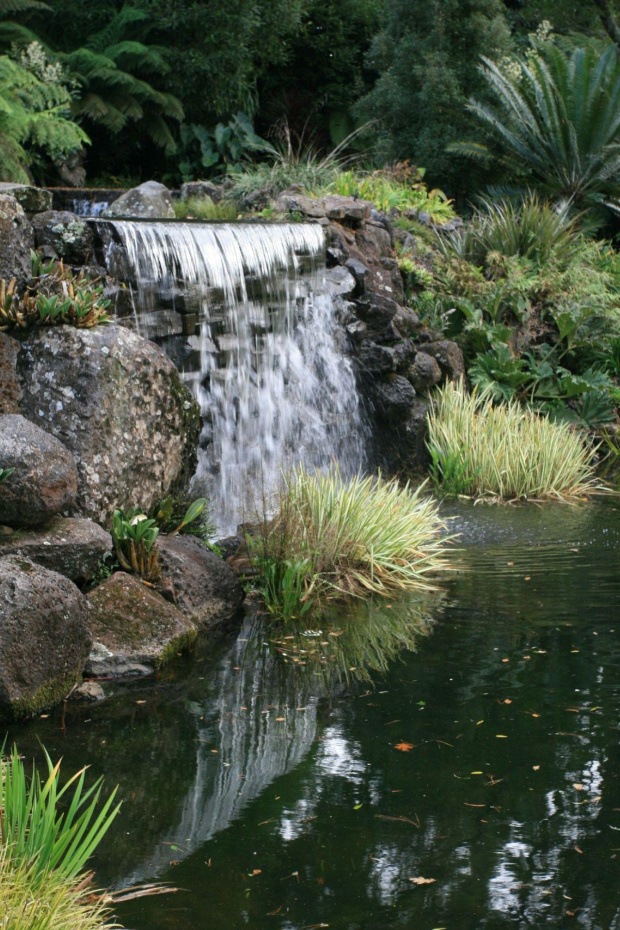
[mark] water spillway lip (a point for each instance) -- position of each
(250, 221)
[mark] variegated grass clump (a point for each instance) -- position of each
(504, 451)
(334, 538)
(57, 904)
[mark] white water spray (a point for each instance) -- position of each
(263, 351)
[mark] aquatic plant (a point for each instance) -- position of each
(505, 451)
(34, 832)
(333, 538)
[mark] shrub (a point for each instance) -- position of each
(134, 537)
(532, 229)
(397, 188)
(504, 451)
(334, 538)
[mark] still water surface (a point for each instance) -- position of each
(275, 786)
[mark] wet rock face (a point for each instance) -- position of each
(425, 372)
(45, 479)
(118, 403)
(394, 397)
(199, 583)
(61, 234)
(134, 630)
(44, 639)
(151, 201)
(449, 357)
(71, 546)
(16, 240)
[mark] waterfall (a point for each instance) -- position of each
(243, 310)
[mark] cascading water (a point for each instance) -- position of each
(259, 344)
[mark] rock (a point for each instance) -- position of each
(360, 273)
(10, 390)
(256, 201)
(378, 313)
(293, 202)
(71, 168)
(357, 330)
(375, 359)
(202, 585)
(44, 638)
(118, 403)
(71, 546)
(32, 199)
(44, 482)
(150, 200)
(58, 232)
(404, 354)
(16, 241)
(425, 372)
(339, 282)
(199, 190)
(88, 692)
(449, 356)
(348, 210)
(374, 241)
(394, 397)
(406, 321)
(133, 628)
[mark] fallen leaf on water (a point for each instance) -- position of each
(536, 767)
(578, 787)
(356, 807)
(475, 773)
(505, 660)
(404, 747)
(479, 722)
(580, 851)
(535, 715)
(500, 736)
(278, 719)
(527, 578)
(473, 805)
(422, 881)
(507, 701)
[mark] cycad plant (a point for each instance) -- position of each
(555, 124)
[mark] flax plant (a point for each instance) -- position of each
(34, 831)
(334, 538)
(506, 451)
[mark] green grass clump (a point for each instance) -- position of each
(505, 451)
(334, 538)
(389, 190)
(55, 904)
(203, 208)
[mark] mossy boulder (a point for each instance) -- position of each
(119, 404)
(44, 482)
(71, 546)
(44, 638)
(16, 240)
(134, 630)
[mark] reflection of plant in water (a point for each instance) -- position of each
(350, 644)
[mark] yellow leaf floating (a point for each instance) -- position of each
(422, 881)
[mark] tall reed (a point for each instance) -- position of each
(506, 450)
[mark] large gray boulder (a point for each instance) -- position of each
(44, 639)
(118, 403)
(150, 200)
(45, 479)
(199, 583)
(10, 390)
(32, 199)
(71, 546)
(16, 241)
(135, 631)
(61, 234)
(200, 190)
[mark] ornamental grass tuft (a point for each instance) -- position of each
(505, 451)
(333, 538)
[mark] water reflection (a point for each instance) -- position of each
(274, 816)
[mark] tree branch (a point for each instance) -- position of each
(609, 20)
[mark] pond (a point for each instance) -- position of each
(270, 782)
